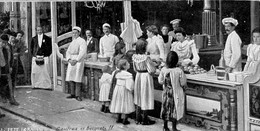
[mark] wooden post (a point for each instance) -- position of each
(33, 18)
(73, 13)
(220, 24)
(209, 21)
(54, 41)
(255, 12)
(14, 16)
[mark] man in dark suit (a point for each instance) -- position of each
(92, 42)
(41, 49)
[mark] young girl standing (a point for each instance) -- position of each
(144, 88)
(122, 100)
(173, 80)
(105, 83)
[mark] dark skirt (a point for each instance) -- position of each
(168, 110)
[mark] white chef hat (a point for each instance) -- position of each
(76, 28)
(106, 25)
(175, 21)
(230, 20)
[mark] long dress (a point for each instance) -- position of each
(173, 99)
(185, 50)
(76, 51)
(253, 58)
(144, 87)
(122, 99)
(105, 84)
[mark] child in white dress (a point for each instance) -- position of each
(105, 84)
(122, 100)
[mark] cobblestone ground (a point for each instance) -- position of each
(15, 123)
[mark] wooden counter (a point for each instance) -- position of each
(211, 104)
(214, 104)
(252, 101)
(93, 71)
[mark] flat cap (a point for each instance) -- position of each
(106, 25)
(175, 21)
(76, 28)
(230, 20)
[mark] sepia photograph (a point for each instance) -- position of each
(129, 65)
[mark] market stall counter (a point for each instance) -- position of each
(93, 72)
(212, 104)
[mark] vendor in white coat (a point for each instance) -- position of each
(155, 46)
(232, 51)
(75, 56)
(175, 24)
(107, 42)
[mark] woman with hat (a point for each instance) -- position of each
(75, 57)
(185, 49)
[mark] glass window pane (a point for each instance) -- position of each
(63, 17)
(43, 15)
(91, 18)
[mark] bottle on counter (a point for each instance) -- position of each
(221, 60)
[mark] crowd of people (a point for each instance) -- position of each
(122, 90)
(128, 86)
(11, 49)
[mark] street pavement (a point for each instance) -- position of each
(51, 109)
(13, 122)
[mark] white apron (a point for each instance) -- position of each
(40, 74)
(75, 73)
